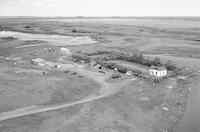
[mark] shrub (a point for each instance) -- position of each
(116, 75)
(156, 62)
(8, 38)
(182, 71)
(98, 53)
(74, 31)
(156, 80)
(170, 66)
(121, 69)
(27, 26)
(83, 57)
(136, 72)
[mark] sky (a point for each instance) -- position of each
(99, 8)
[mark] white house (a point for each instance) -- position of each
(158, 71)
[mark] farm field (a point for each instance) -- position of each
(78, 98)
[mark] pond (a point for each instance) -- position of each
(55, 40)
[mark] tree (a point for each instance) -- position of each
(27, 26)
(170, 66)
(156, 61)
(74, 30)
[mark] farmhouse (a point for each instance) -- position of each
(158, 71)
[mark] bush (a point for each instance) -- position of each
(121, 69)
(182, 71)
(139, 59)
(111, 65)
(83, 57)
(170, 66)
(136, 72)
(156, 80)
(8, 38)
(98, 53)
(116, 75)
(156, 62)
(27, 26)
(74, 31)
(135, 58)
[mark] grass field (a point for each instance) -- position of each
(106, 106)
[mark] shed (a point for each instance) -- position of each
(129, 73)
(93, 63)
(115, 69)
(65, 51)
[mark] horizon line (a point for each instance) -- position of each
(102, 16)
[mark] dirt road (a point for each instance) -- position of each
(191, 119)
(105, 90)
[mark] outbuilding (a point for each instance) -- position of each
(65, 51)
(92, 63)
(158, 71)
(129, 73)
(38, 61)
(98, 66)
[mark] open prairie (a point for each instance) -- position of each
(59, 94)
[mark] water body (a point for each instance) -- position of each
(56, 40)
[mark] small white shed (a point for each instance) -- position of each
(65, 51)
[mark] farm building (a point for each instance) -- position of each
(115, 69)
(82, 62)
(98, 66)
(129, 73)
(95, 65)
(37, 61)
(158, 71)
(92, 63)
(65, 51)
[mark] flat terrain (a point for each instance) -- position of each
(131, 65)
(78, 98)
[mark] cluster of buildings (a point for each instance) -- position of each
(42, 62)
(16, 60)
(153, 70)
